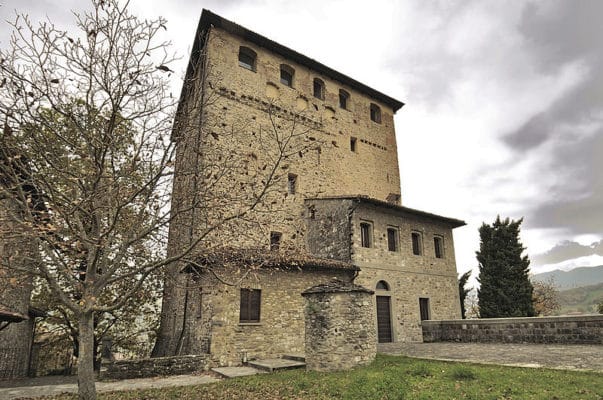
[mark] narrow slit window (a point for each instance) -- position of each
(275, 241)
(392, 239)
(353, 144)
(292, 183)
(416, 243)
(319, 89)
(287, 75)
(366, 234)
(375, 113)
(247, 58)
(343, 99)
(424, 308)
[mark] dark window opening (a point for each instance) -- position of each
(416, 243)
(365, 234)
(275, 240)
(343, 99)
(375, 113)
(392, 239)
(250, 305)
(287, 75)
(292, 183)
(424, 308)
(319, 89)
(353, 142)
(382, 285)
(247, 58)
(438, 245)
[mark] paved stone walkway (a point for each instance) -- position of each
(576, 357)
(126, 384)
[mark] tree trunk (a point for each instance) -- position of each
(85, 360)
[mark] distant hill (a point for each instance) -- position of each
(577, 277)
(580, 300)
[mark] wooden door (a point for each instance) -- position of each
(384, 322)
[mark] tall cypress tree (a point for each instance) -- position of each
(505, 288)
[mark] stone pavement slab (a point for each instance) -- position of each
(557, 356)
(273, 364)
(126, 384)
(235, 372)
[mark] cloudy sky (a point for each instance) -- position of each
(504, 101)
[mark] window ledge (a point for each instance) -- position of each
(250, 324)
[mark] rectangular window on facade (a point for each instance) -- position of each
(366, 234)
(392, 239)
(353, 144)
(438, 245)
(292, 183)
(424, 308)
(275, 240)
(416, 243)
(250, 305)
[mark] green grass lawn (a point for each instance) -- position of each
(395, 378)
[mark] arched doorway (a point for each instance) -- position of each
(384, 312)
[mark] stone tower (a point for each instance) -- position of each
(257, 118)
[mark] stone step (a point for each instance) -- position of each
(235, 372)
(295, 357)
(276, 364)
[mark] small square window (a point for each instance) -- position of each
(353, 144)
(416, 243)
(375, 113)
(438, 245)
(366, 234)
(392, 239)
(275, 241)
(319, 89)
(343, 99)
(250, 305)
(287, 75)
(292, 183)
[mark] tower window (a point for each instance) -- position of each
(438, 245)
(392, 239)
(353, 146)
(375, 113)
(424, 308)
(416, 243)
(292, 183)
(247, 58)
(343, 99)
(287, 75)
(275, 241)
(366, 233)
(319, 89)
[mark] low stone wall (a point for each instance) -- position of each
(585, 329)
(340, 331)
(148, 367)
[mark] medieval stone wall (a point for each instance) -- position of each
(149, 367)
(340, 331)
(580, 329)
(281, 326)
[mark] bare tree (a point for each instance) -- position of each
(87, 156)
(545, 297)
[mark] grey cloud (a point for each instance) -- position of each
(559, 34)
(567, 250)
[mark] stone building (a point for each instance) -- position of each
(286, 177)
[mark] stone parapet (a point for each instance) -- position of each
(585, 329)
(149, 367)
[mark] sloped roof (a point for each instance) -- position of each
(363, 199)
(209, 19)
(261, 258)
